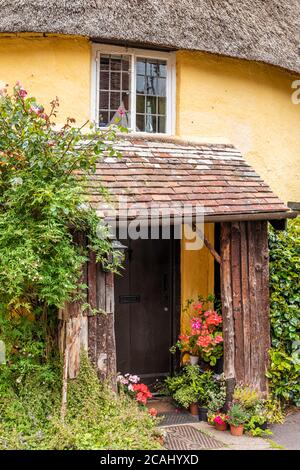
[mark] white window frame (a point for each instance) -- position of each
(170, 57)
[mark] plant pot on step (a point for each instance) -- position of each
(221, 427)
(194, 360)
(194, 409)
(203, 413)
(237, 430)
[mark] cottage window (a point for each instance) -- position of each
(134, 88)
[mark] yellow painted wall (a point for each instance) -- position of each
(48, 67)
(197, 274)
(249, 104)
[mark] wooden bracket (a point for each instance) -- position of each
(207, 244)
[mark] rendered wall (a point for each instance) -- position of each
(249, 104)
(48, 67)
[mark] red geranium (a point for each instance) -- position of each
(142, 393)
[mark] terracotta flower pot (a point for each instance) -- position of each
(194, 409)
(237, 430)
(221, 427)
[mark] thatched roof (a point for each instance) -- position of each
(262, 30)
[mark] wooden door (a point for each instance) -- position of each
(144, 302)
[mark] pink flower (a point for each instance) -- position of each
(218, 339)
(196, 324)
(219, 420)
(22, 92)
(198, 307)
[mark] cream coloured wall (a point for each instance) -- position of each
(249, 104)
(48, 67)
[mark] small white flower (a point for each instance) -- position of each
(17, 181)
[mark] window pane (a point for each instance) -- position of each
(103, 99)
(150, 125)
(103, 118)
(161, 105)
(104, 62)
(151, 105)
(161, 124)
(114, 93)
(115, 81)
(140, 84)
(140, 122)
(115, 62)
(125, 63)
(104, 80)
(160, 86)
(140, 104)
(151, 84)
(140, 66)
(115, 100)
(125, 100)
(125, 81)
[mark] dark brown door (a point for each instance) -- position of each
(146, 308)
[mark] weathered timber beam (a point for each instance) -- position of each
(207, 243)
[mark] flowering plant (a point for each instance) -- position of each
(220, 419)
(131, 385)
(205, 337)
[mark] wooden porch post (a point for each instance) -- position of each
(245, 303)
(101, 328)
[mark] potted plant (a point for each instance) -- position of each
(204, 339)
(210, 394)
(184, 387)
(237, 417)
(220, 421)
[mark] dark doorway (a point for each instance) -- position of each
(147, 308)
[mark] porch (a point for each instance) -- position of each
(142, 310)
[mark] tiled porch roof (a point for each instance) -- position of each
(171, 172)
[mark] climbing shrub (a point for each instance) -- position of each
(42, 201)
(284, 371)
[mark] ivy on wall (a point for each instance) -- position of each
(284, 371)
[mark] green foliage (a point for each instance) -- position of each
(237, 415)
(217, 395)
(285, 286)
(254, 426)
(273, 411)
(247, 396)
(259, 411)
(41, 200)
(283, 374)
(96, 418)
(192, 385)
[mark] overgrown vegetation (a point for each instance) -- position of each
(30, 393)
(284, 371)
